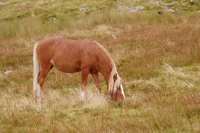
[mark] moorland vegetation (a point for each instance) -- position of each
(157, 56)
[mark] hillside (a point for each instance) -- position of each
(48, 9)
(156, 51)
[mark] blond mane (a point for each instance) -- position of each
(100, 47)
(112, 84)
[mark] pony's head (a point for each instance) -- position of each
(115, 87)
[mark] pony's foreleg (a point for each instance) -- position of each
(96, 81)
(84, 75)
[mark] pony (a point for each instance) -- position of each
(72, 56)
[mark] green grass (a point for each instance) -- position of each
(156, 56)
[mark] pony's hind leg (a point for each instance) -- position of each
(96, 81)
(43, 73)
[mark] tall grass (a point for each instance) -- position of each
(31, 26)
(8, 29)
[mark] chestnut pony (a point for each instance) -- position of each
(71, 56)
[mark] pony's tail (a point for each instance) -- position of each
(36, 69)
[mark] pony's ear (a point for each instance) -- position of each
(115, 77)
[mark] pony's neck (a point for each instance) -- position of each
(106, 64)
(106, 71)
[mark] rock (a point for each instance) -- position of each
(135, 8)
(169, 4)
(170, 10)
(167, 10)
(3, 3)
(138, 8)
(83, 8)
(157, 3)
(7, 72)
(54, 20)
(129, 8)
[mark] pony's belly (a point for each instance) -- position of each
(67, 67)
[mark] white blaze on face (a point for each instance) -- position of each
(122, 90)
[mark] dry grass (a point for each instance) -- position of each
(157, 57)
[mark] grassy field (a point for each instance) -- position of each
(157, 56)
